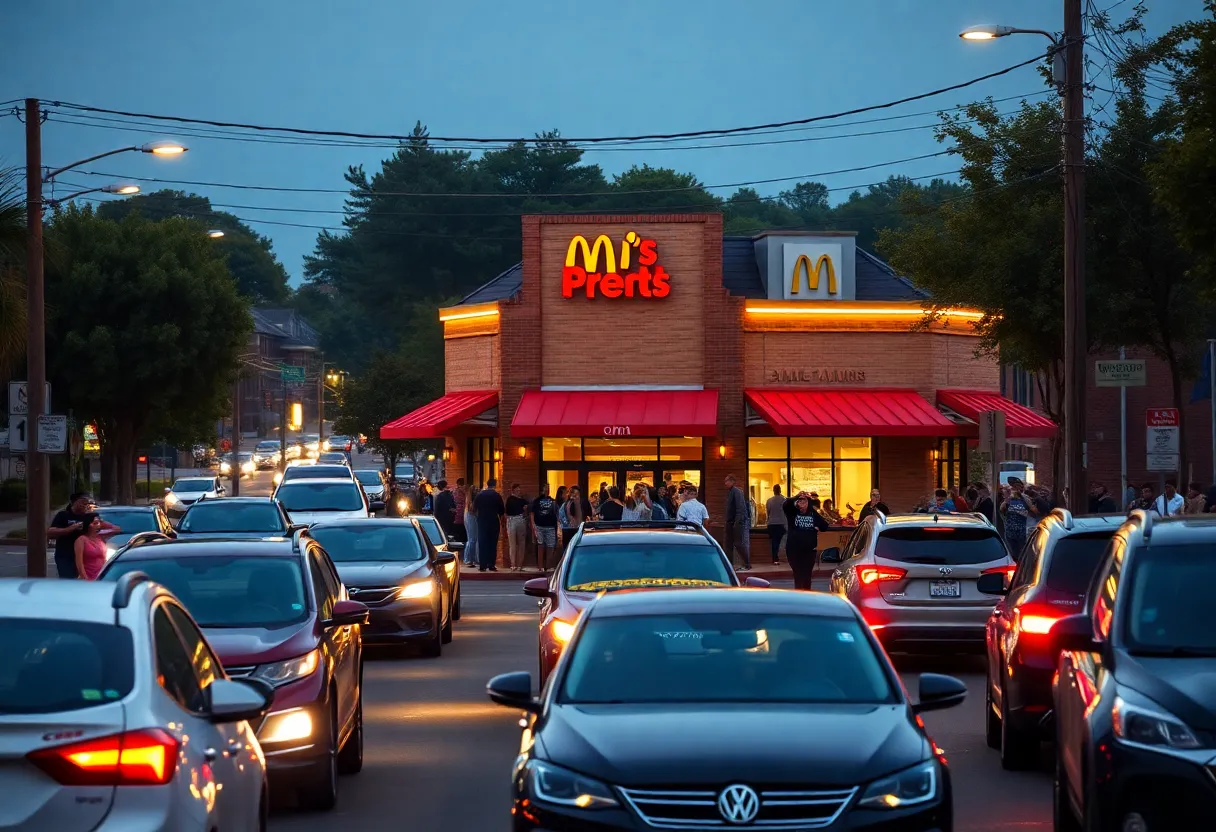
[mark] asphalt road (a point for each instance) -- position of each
(438, 753)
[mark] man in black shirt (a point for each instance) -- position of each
(612, 509)
(875, 504)
(490, 510)
(445, 509)
(544, 526)
(517, 529)
(66, 527)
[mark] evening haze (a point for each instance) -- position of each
(482, 68)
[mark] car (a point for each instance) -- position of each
(311, 443)
(266, 453)
(336, 443)
(237, 517)
(405, 473)
(1053, 573)
(295, 449)
(724, 708)
(133, 520)
(243, 461)
(603, 557)
(309, 501)
(1134, 703)
(373, 482)
(187, 491)
(275, 611)
(390, 565)
(914, 578)
(442, 543)
(112, 708)
(333, 458)
(314, 470)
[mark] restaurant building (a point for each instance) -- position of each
(639, 348)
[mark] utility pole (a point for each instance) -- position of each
(37, 474)
(236, 437)
(283, 428)
(321, 403)
(1075, 342)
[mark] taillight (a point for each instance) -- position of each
(136, 758)
(1033, 619)
(873, 574)
(1007, 571)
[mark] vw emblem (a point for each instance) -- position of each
(945, 570)
(739, 804)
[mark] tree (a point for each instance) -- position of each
(12, 275)
(144, 329)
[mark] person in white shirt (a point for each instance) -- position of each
(1169, 503)
(691, 508)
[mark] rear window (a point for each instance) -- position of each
(941, 545)
(132, 521)
(315, 472)
(433, 532)
(1073, 561)
(225, 516)
(320, 496)
(53, 666)
(625, 566)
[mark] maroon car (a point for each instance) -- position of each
(275, 610)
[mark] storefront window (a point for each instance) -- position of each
(815, 477)
(680, 448)
(951, 463)
(767, 447)
(811, 447)
(839, 469)
(559, 477)
(620, 449)
(853, 483)
(482, 466)
(679, 475)
(762, 475)
(562, 449)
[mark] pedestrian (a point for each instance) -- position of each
(960, 503)
(490, 522)
(544, 527)
(604, 496)
(830, 513)
(941, 503)
(1100, 500)
(612, 509)
(594, 513)
(517, 529)
(631, 512)
(470, 525)
(425, 501)
(89, 549)
(667, 498)
(658, 511)
(460, 495)
(1196, 501)
(642, 501)
(1148, 495)
(691, 510)
(445, 510)
(1170, 502)
(774, 507)
(66, 526)
(802, 548)
(1129, 496)
(875, 504)
(972, 496)
(1016, 511)
(738, 531)
(985, 506)
(573, 515)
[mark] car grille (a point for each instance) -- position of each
(779, 808)
(240, 671)
(371, 595)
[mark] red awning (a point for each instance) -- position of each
(434, 420)
(855, 412)
(1020, 422)
(616, 413)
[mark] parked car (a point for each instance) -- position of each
(309, 501)
(112, 706)
(276, 611)
(189, 490)
(236, 517)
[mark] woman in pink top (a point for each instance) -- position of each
(90, 548)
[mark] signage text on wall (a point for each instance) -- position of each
(614, 280)
(815, 375)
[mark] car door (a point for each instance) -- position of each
(340, 641)
(445, 594)
(1000, 623)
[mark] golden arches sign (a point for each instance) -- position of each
(803, 264)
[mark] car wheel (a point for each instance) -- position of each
(1062, 818)
(446, 635)
(433, 648)
(350, 758)
(264, 809)
(992, 722)
(321, 795)
(1019, 749)
(456, 606)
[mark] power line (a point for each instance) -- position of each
(722, 131)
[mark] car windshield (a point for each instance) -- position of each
(230, 516)
(608, 566)
(315, 472)
(268, 446)
(435, 534)
(132, 521)
(331, 458)
(1074, 560)
(319, 496)
(225, 591)
(404, 471)
(1171, 605)
(49, 666)
(367, 477)
(189, 486)
(338, 440)
(940, 545)
(725, 657)
(397, 542)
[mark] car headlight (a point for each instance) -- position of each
(403, 506)
(286, 726)
(280, 673)
(225, 468)
(1157, 729)
(170, 499)
(422, 589)
(562, 630)
(905, 788)
(554, 784)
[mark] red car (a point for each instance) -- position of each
(275, 610)
(604, 557)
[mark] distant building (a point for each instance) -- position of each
(280, 336)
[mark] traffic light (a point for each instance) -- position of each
(267, 401)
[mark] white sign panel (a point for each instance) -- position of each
(1162, 426)
(1130, 372)
(18, 434)
(52, 434)
(19, 398)
(1162, 462)
(814, 271)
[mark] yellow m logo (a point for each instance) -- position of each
(803, 263)
(591, 254)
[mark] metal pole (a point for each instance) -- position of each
(321, 404)
(37, 480)
(1122, 440)
(1075, 342)
(283, 428)
(236, 437)
(1212, 398)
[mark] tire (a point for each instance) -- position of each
(433, 648)
(446, 634)
(992, 722)
(350, 758)
(1062, 818)
(1019, 749)
(264, 809)
(456, 606)
(321, 794)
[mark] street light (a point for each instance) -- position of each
(163, 148)
(124, 190)
(1068, 71)
(215, 233)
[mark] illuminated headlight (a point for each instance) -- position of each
(562, 630)
(906, 788)
(278, 477)
(280, 673)
(171, 499)
(553, 784)
(403, 506)
(286, 726)
(248, 467)
(422, 589)
(225, 468)
(1156, 729)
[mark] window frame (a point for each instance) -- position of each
(832, 462)
(174, 637)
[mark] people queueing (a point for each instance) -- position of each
(460, 496)
(470, 525)
(804, 523)
(491, 512)
(517, 529)
(738, 526)
(774, 509)
(1101, 501)
(1169, 503)
(1016, 510)
(544, 528)
(875, 504)
(986, 505)
(612, 509)
(445, 510)
(1148, 495)
(1196, 500)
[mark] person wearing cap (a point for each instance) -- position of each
(802, 546)
(1017, 512)
(66, 526)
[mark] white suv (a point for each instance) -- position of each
(115, 714)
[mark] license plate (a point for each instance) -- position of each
(945, 589)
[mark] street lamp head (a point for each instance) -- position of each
(985, 31)
(125, 190)
(163, 148)
(215, 233)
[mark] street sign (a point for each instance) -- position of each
(52, 434)
(1162, 426)
(18, 434)
(291, 372)
(19, 398)
(1129, 372)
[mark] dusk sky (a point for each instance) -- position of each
(493, 68)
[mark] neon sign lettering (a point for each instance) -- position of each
(803, 263)
(615, 281)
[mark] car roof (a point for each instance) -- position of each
(317, 481)
(688, 534)
(62, 600)
(906, 521)
(237, 547)
(626, 603)
(324, 466)
(1181, 529)
(237, 501)
(364, 522)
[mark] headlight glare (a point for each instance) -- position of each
(1144, 727)
(905, 788)
(562, 630)
(553, 784)
(170, 499)
(280, 673)
(285, 726)
(421, 589)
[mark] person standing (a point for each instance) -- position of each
(612, 510)
(738, 533)
(460, 495)
(490, 513)
(445, 510)
(1016, 510)
(631, 510)
(66, 526)
(691, 509)
(573, 516)
(470, 525)
(985, 504)
(658, 511)
(642, 501)
(544, 527)
(875, 504)
(426, 502)
(1196, 500)
(517, 529)
(804, 522)
(89, 550)
(1169, 503)
(775, 509)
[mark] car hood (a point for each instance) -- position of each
(309, 517)
(192, 495)
(377, 573)
(648, 745)
(1183, 686)
(237, 646)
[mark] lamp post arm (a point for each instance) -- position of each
(52, 174)
(55, 202)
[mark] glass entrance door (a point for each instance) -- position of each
(600, 478)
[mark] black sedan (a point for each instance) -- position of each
(390, 565)
(708, 708)
(236, 517)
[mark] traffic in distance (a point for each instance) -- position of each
(226, 642)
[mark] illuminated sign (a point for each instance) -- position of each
(615, 280)
(617, 430)
(803, 266)
(810, 268)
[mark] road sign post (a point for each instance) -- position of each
(1124, 372)
(992, 440)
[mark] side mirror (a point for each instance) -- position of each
(938, 692)
(233, 701)
(296, 527)
(992, 583)
(377, 505)
(831, 555)
(514, 690)
(348, 613)
(444, 558)
(537, 588)
(455, 546)
(167, 490)
(1075, 632)
(759, 583)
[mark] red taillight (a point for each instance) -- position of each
(873, 574)
(136, 758)
(1007, 571)
(1033, 619)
